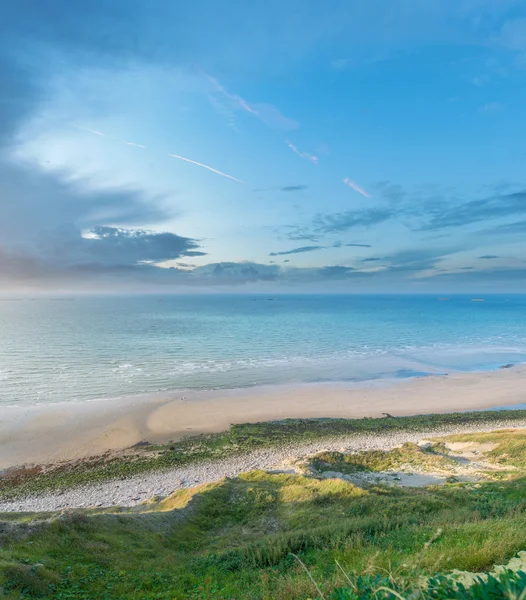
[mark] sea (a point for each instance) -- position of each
(72, 349)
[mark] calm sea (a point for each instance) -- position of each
(57, 350)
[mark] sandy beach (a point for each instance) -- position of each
(55, 432)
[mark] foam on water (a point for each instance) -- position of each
(54, 351)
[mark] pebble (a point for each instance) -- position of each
(127, 491)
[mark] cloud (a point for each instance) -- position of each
(392, 192)
(350, 245)
(294, 188)
(371, 259)
(488, 256)
(344, 221)
(205, 167)
(314, 248)
(505, 230)
(416, 260)
(104, 256)
(267, 113)
(491, 107)
(236, 272)
(124, 246)
(336, 272)
(457, 215)
(298, 250)
(513, 37)
(356, 187)
(305, 155)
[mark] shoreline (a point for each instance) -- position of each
(53, 433)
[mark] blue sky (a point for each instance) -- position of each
(295, 146)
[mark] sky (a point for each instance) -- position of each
(294, 146)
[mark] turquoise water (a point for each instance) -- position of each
(87, 348)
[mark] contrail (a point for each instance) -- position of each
(87, 129)
(205, 167)
(356, 187)
(172, 155)
(313, 159)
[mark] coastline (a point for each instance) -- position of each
(69, 431)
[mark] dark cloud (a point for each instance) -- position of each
(336, 272)
(67, 255)
(294, 188)
(371, 259)
(488, 256)
(122, 246)
(298, 250)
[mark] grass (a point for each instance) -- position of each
(409, 455)
(510, 446)
(239, 439)
(252, 538)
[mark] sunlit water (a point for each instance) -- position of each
(87, 348)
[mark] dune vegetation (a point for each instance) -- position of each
(290, 536)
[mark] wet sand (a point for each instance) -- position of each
(66, 431)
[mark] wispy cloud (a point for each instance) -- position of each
(491, 108)
(298, 250)
(350, 245)
(267, 113)
(136, 145)
(241, 103)
(356, 187)
(310, 157)
(488, 256)
(193, 162)
(344, 221)
(474, 211)
(294, 188)
(302, 249)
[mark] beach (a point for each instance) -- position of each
(48, 433)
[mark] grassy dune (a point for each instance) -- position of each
(282, 536)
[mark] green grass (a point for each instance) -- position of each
(408, 455)
(239, 539)
(237, 440)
